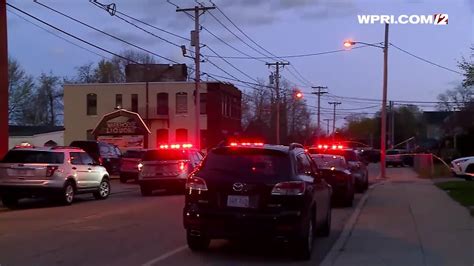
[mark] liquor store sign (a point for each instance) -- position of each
(120, 128)
(121, 123)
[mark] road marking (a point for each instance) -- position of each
(165, 256)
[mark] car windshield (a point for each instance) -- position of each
(165, 155)
(30, 156)
(325, 161)
(246, 163)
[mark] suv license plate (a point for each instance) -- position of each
(238, 201)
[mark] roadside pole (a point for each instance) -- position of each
(3, 79)
(383, 135)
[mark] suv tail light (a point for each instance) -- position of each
(196, 183)
(50, 170)
(294, 188)
(182, 166)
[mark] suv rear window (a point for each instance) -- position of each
(29, 156)
(246, 163)
(165, 155)
(349, 155)
(325, 161)
(134, 154)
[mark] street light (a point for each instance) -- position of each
(383, 135)
(299, 95)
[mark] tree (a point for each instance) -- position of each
(46, 105)
(467, 67)
(20, 87)
(85, 74)
(455, 99)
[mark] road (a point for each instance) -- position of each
(128, 229)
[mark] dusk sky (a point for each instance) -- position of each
(284, 27)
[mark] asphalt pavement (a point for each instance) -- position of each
(128, 229)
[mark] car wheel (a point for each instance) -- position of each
(304, 245)
(68, 193)
(104, 190)
(326, 228)
(146, 191)
(10, 201)
(197, 243)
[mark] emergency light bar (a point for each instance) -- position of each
(176, 146)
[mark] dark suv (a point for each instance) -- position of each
(248, 190)
(105, 154)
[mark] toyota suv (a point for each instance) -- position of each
(245, 190)
(59, 173)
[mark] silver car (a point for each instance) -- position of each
(59, 173)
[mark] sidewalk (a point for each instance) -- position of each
(408, 221)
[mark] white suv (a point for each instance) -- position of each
(58, 172)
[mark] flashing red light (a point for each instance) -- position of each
(334, 147)
(320, 146)
(325, 146)
(340, 147)
(246, 144)
(176, 146)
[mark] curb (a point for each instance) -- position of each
(333, 253)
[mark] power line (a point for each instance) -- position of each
(425, 60)
(69, 34)
(106, 33)
(141, 21)
(295, 55)
(57, 35)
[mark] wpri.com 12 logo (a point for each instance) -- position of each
(440, 19)
(436, 19)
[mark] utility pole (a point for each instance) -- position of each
(327, 122)
(383, 137)
(198, 11)
(392, 124)
(277, 91)
(334, 118)
(3, 79)
(319, 93)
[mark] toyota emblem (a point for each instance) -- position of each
(237, 187)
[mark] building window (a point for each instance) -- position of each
(162, 103)
(118, 101)
(89, 135)
(223, 104)
(203, 103)
(162, 136)
(181, 103)
(91, 104)
(228, 106)
(181, 135)
(135, 103)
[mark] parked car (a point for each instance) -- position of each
(59, 173)
(105, 154)
(394, 158)
(167, 167)
(129, 168)
(356, 165)
(335, 171)
(463, 167)
(247, 190)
